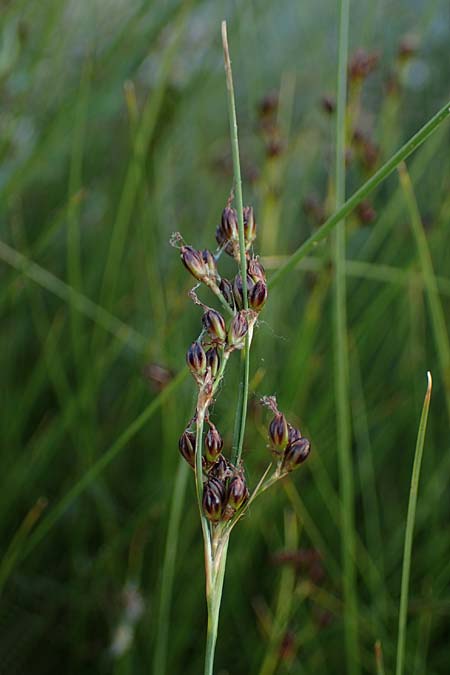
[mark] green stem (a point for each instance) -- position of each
(348, 206)
(214, 599)
(341, 362)
(242, 255)
(410, 519)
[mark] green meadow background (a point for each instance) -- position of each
(114, 134)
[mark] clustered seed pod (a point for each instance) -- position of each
(237, 492)
(196, 359)
(279, 431)
(186, 445)
(194, 262)
(213, 444)
(237, 331)
(257, 296)
(249, 226)
(226, 289)
(213, 360)
(214, 324)
(295, 454)
(214, 499)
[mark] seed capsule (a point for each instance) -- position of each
(237, 331)
(186, 445)
(237, 492)
(258, 296)
(295, 454)
(249, 226)
(229, 224)
(210, 263)
(256, 270)
(196, 359)
(213, 501)
(237, 289)
(193, 261)
(214, 323)
(226, 289)
(294, 434)
(213, 360)
(278, 431)
(213, 444)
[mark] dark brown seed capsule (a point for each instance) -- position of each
(210, 263)
(258, 296)
(294, 434)
(295, 454)
(229, 224)
(226, 289)
(214, 323)
(238, 330)
(278, 431)
(193, 261)
(196, 359)
(213, 501)
(237, 492)
(255, 270)
(249, 226)
(213, 360)
(186, 445)
(237, 289)
(213, 444)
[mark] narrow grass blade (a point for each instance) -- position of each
(410, 519)
(362, 192)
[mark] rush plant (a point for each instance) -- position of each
(223, 494)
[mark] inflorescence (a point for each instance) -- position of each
(224, 486)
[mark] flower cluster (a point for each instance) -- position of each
(222, 481)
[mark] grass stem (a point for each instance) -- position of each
(410, 520)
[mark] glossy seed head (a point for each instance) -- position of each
(214, 324)
(196, 359)
(213, 500)
(249, 226)
(193, 261)
(295, 454)
(257, 296)
(237, 492)
(213, 360)
(213, 444)
(229, 223)
(278, 431)
(237, 331)
(186, 445)
(209, 262)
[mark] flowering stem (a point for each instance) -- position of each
(245, 371)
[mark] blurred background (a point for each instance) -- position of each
(113, 134)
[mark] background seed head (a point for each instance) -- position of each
(237, 492)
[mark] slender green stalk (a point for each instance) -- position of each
(429, 281)
(245, 371)
(341, 364)
(409, 531)
(365, 189)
